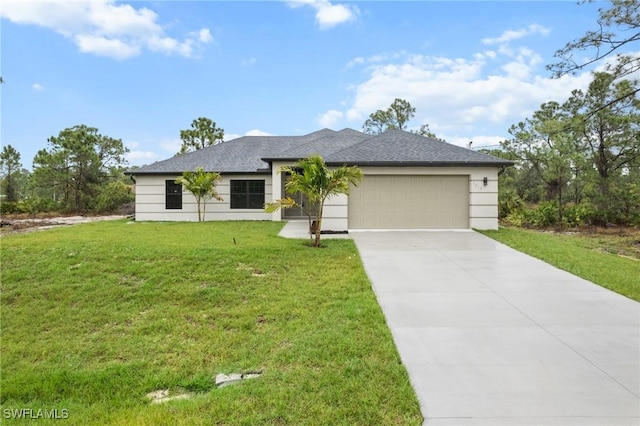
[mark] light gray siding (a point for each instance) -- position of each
(150, 201)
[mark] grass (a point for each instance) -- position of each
(96, 316)
(606, 259)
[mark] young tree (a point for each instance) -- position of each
(395, 117)
(203, 133)
(203, 187)
(312, 177)
(77, 165)
(9, 166)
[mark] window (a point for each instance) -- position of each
(173, 195)
(247, 194)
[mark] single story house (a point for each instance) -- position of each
(410, 181)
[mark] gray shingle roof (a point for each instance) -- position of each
(397, 147)
(251, 154)
(241, 155)
(323, 146)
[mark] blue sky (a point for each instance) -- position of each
(142, 71)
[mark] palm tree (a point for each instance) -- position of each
(312, 177)
(203, 187)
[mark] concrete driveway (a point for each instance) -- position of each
(491, 336)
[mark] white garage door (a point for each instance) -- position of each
(410, 202)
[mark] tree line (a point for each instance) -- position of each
(80, 171)
(578, 162)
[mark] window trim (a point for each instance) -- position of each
(172, 200)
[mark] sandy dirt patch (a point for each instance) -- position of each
(12, 226)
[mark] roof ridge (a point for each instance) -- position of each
(354, 145)
(303, 140)
(336, 135)
(412, 142)
(251, 154)
(313, 141)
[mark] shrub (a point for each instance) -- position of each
(509, 202)
(546, 214)
(113, 196)
(578, 214)
(7, 207)
(37, 205)
(516, 218)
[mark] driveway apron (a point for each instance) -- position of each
(491, 336)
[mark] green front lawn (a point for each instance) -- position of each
(96, 316)
(592, 257)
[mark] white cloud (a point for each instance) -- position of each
(375, 59)
(330, 118)
(522, 64)
(140, 155)
(475, 98)
(249, 61)
(104, 28)
(254, 132)
(356, 61)
(171, 145)
(112, 48)
(511, 35)
(204, 36)
(139, 158)
(37, 86)
(168, 45)
(327, 14)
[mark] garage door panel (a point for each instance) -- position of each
(410, 202)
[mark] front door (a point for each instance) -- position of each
(301, 200)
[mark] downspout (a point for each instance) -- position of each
(134, 200)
